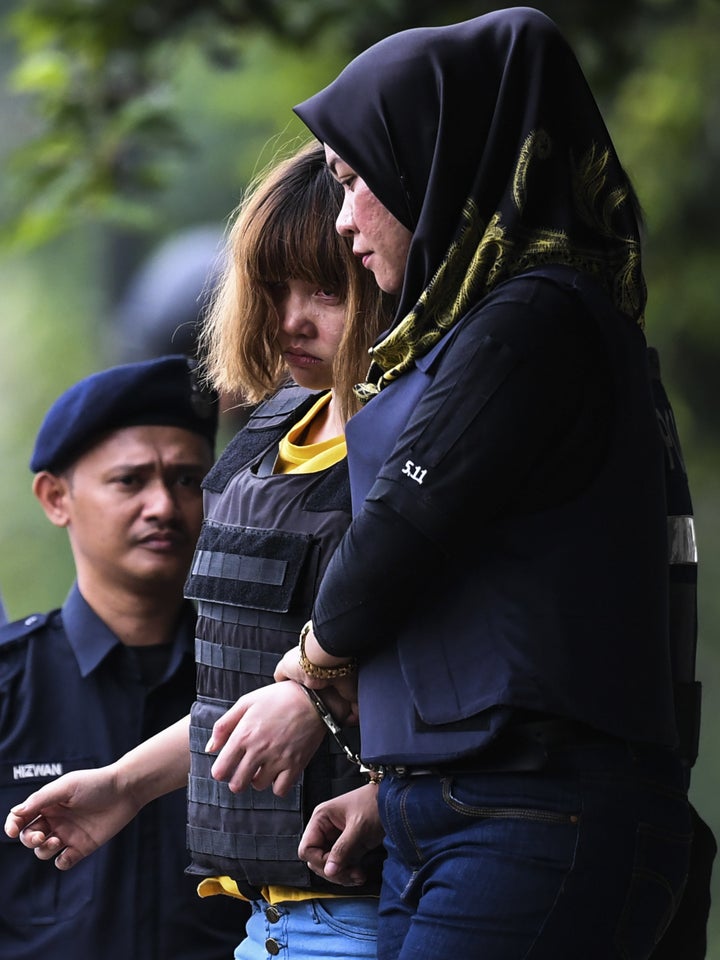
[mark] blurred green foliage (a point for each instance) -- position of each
(126, 121)
(101, 72)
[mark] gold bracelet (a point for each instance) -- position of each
(317, 672)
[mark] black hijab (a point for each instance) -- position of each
(484, 139)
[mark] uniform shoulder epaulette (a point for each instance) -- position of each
(18, 629)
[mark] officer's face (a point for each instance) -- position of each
(132, 506)
(380, 241)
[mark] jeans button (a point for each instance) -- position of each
(272, 946)
(272, 914)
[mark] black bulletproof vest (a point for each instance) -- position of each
(262, 550)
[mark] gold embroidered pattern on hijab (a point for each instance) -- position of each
(483, 255)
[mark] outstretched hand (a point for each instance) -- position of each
(340, 834)
(71, 817)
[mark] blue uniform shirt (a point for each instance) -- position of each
(72, 696)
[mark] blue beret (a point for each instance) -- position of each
(163, 391)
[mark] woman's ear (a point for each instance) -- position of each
(53, 492)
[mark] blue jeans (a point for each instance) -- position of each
(320, 929)
(584, 860)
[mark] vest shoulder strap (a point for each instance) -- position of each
(267, 424)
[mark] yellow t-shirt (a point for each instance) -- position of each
(292, 458)
(272, 894)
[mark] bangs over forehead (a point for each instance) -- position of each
(292, 232)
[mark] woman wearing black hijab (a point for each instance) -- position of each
(502, 587)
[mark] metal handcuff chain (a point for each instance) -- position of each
(336, 731)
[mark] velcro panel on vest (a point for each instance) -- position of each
(260, 568)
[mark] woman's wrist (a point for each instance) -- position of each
(318, 664)
(156, 766)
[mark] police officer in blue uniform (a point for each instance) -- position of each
(118, 462)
